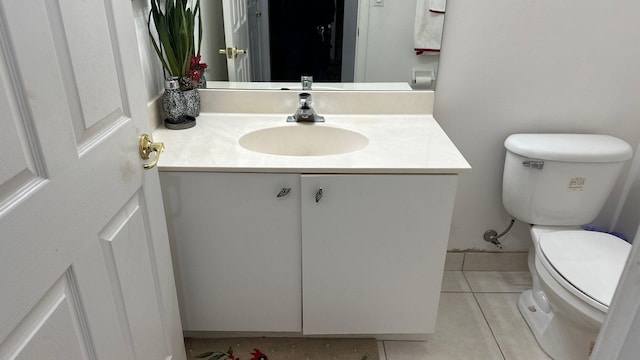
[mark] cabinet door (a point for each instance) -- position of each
(237, 250)
(373, 249)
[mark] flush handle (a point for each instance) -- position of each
(536, 164)
(318, 195)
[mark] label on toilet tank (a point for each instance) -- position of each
(576, 184)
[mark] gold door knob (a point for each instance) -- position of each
(231, 52)
(147, 147)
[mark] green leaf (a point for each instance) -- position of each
(204, 355)
(155, 45)
(175, 27)
(197, 9)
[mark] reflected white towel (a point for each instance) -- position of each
(437, 6)
(427, 32)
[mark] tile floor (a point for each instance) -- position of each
(478, 318)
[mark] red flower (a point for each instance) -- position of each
(196, 64)
(258, 355)
(195, 60)
(195, 75)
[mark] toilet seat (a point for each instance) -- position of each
(588, 264)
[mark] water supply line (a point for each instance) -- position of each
(492, 236)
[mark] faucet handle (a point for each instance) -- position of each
(307, 82)
(305, 100)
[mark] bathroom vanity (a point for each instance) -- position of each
(351, 243)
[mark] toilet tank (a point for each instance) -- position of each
(560, 179)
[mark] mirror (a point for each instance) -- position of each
(368, 45)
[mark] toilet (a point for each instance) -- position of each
(556, 183)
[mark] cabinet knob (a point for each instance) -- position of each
(318, 195)
(284, 192)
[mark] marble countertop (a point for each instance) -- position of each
(398, 144)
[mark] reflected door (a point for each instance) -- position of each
(236, 35)
(85, 268)
(258, 18)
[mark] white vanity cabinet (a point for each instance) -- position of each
(373, 250)
(236, 249)
(339, 254)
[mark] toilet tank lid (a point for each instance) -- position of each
(569, 147)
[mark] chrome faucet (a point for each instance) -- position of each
(307, 82)
(305, 112)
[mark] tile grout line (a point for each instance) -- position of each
(512, 288)
(484, 317)
(464, 255)
(384, 350)
(489, 326)
(464, 276)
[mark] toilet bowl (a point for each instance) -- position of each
(572, 290)
(557, 182)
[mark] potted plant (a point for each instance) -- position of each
(180, 57)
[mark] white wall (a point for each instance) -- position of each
(389, 54)
(151, 65)
(531, 66)
(628, 215)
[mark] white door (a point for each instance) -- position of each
(236, 37)
(85, 268)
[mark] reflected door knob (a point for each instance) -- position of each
(231, 52)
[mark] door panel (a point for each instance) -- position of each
(93, 86)
(73, 45)
(85, 270)
(19, 159)
(57, 319)
(130, 267)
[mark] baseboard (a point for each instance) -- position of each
(486, 261)
(244, 334)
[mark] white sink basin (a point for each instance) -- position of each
(303, 140)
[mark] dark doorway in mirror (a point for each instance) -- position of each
(306, 39)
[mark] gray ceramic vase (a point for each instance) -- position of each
(173, 101)
(192, 101)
